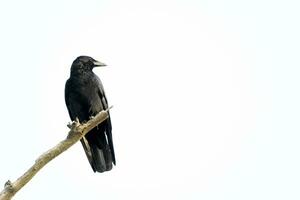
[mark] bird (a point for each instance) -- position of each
(84, 98)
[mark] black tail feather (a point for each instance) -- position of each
(110, 140)
(99, 149)
(98, 160)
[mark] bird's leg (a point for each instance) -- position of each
(74, 123)
(92, 117)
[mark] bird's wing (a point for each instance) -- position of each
(108, 127)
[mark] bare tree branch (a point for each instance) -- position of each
(75, 134)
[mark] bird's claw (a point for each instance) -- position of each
(74, 123)
(69, 125)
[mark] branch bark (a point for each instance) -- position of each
(75, 134)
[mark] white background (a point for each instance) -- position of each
(205, 95)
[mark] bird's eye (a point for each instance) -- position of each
(90, 63)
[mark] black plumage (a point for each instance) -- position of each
(85, 97)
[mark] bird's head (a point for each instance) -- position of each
(85, 64)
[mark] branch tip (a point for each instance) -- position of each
(8, 184)
(110, 107)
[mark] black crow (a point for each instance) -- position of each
(85, 97)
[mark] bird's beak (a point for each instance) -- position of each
(99, 64)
